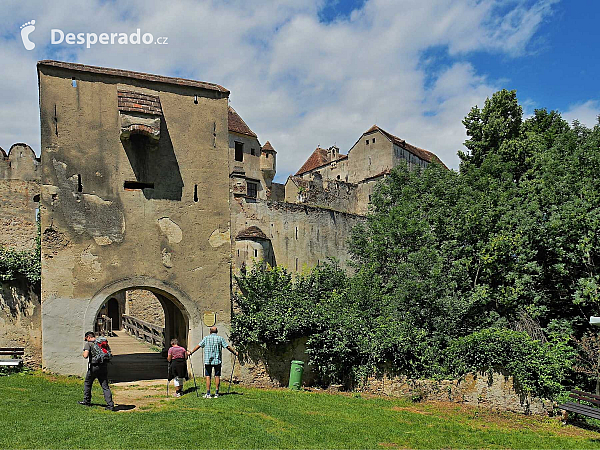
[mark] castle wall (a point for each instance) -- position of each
(301, 236)
(100, 236)
(18, 207)
(23, 163)
(327, 193)
(20, 319)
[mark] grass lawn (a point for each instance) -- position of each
(41, 411)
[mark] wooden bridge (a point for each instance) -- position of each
(134, 360)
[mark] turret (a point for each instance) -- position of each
(267, 163)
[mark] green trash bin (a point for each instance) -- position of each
(296, 372)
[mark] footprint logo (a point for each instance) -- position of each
(26, 30)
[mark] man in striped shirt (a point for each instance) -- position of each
(213, 346)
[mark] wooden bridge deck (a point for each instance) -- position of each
(133, 360)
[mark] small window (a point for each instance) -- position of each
(196, 193)
(367, 142)
(73, 82)
(296, 233)
(255, 253)
(239, 151)
(373, 140)
(296, 264)
(253, 152)
(251, 189)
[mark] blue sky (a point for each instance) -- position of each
(304, 73)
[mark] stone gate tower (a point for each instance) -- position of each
(135, 194)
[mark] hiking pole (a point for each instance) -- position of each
(194, 377)
(168, 375)
(231, 378)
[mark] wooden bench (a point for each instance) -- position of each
(578, 408)
(13, 352)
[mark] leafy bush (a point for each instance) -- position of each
(538, 368)
(22, 264)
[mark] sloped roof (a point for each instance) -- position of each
(319, 158)
(237, 124)
(268, 147)
(135, 75)
(425, 155)
(251, 233)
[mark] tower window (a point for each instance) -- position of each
(253, 152)
(367, 142)
(239, 151)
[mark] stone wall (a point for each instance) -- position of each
(271, 367)
(20, 319)
(18, 207)
(496, 392)
(144, 305)
(301, 236)
(331, 194)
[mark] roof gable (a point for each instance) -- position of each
(237, 125)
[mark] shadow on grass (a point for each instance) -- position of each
(117, 407)
(586, 424)
(124, 407)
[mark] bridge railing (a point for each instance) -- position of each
(144, 331)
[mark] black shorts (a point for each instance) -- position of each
(208, 369)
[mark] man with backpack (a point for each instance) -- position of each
(97, 368)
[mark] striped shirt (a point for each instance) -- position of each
(213, 345)
(177, 352)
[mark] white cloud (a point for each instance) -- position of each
(586, 113)
(296, 81)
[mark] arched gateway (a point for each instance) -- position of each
(135, 194)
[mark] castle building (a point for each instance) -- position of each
(156, 183)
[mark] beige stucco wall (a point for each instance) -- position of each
(403, 156)
(368, 160)
(107, 239)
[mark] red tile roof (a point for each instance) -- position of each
(135, 75)
(268, 147)
(319, 157)
(237, 124)
(425, 155)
